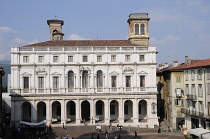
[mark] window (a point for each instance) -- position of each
(136, 29)
(208, 88)
(142, 29)
(99, 79)
(186, 75)
(200, 90)
(141, 58)
(178, 92)
(142, 81)
(193, 89)
(128, 81)
(99, 58)
(41, 58)
(85, 79)
(193, 75)
(208, 73)
(71, 79)
(187, 89)
(56, 82)
(126, 109)
(179, 102)
(25, 59)
(178, 79)
(113, 58)
(40, 82)
(200, 106)
(70, 58)
(194, 105)
(85, 59)
(114, 81)
(127, 58)
(26, 82)
(55, 58)
(199, 74)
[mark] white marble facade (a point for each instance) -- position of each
(67, 84)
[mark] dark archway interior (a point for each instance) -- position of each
(85, 110)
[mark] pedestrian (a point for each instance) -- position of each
(63, 126)
(171, 129)
(98, 137)
(119, 136)
(135, 134)
(106, 135)
(115, 137)
(67, 135)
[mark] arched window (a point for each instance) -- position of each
(99, 79)
(55, 31)
(142, 29)
(85, 79)
(71, 79)
(136, 29)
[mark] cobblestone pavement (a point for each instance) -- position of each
(86, 132)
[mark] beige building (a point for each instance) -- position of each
(97, 81)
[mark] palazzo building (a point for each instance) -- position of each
(103, 81)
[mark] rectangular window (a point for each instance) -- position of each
(125, 109)
(99, 58)
(141, 58)
(127, 58)
(113, 58)
(56, 82)
(178, 102)
(208, 88)
(199, 74)
(70, 58)
(186, 75)
(193, 75)
(41, 58)
(55, 58)
(208, 73)
(26, 82)
(112, 109)
(178, 92)
(128, 81)
(200, 90)
(25, 59)
(178, 79)
(142, 81)
(40, 82)
(193, 89)
(114, 81)
(200, 106)
(187, 89)
(85, 59)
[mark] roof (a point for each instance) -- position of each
(55, 21)
(62, 43)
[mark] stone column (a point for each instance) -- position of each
(33, 112)
(121, 111)
(135, 111)
(63, 112)
(48, 112)
(107, 111)
(92, 111)
(78, 112)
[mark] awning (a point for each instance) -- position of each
(33, 124)
(200, 132)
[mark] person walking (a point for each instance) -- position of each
(63, 126)
(135, 134)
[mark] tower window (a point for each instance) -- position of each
(142, 29)
(136, 29)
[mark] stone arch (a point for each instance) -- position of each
(99, 109)
(56, 112)
(41, 111)
(26, 111)
(128, 110)
(142, 110)
(114, 110)
(85, 110)
(70, 111)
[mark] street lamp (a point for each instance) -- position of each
(1, 124)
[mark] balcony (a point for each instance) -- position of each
(185, 111)
(192, 112)
(192, 97)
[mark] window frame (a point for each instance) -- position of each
(113, 58)
(127, 58)
(85, 58)
(70, 58)
(99, 58)
(25, 59)
(142, 57)
(55, 59)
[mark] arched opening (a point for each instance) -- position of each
(71, 112)
(56, 112)
(142, 111)
(142, 29)
(85, 110)
(26, 112)
(41, 111)
(114, 111)
(136, 29)
(128, 111)
(99, 81)
(100, 110)
(71, 81)
(55, 31)
(85, 81)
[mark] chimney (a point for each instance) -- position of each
(175, 63)
(166, 65)
(186, 59)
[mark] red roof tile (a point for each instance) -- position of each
(83, 43)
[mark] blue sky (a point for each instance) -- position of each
(178, 28)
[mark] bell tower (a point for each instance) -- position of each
(55, 26)
(139, 28)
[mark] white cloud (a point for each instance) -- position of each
(74, 36)
(7, 30)
(165, 40)
(19, 41)
(34, 41)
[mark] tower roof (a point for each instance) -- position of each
(138, 16)
(55, 21)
